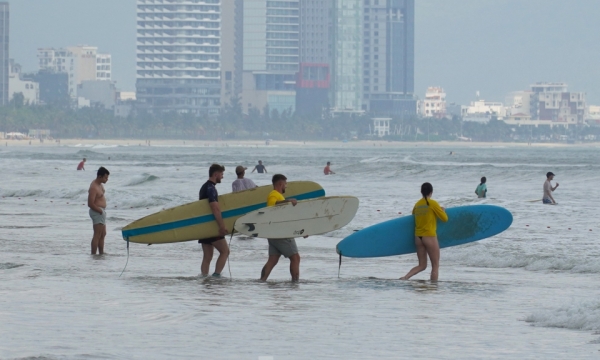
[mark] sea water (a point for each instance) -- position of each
(531, 292)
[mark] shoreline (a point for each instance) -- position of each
(282, 143)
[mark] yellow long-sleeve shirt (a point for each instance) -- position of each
(426, 217)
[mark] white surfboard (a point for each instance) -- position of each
(308, 217)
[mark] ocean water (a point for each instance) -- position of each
(531, 292)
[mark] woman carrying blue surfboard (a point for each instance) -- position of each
(426, 212)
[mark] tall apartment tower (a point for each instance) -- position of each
(231, 51)
(313, 81)
(389, 41)
(179, 56)
(270, 52)
(4, 56)
(347, 62)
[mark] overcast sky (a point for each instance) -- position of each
(490, 46)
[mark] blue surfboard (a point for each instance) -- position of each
(397, 237)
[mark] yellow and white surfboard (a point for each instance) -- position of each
(195, 220)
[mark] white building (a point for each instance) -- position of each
(482, 109)
(179, 55)
(16, 84)
(381, 126)
(593, 115)
(434, 104)
(103, 67)
(82, 63)
(518, 102)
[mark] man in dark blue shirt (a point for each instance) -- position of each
(209, 191)
(260, 168)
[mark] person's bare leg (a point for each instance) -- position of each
(223, 249)
(422, 255)
(101, 241)
(295, 267)
(266, 270)
(433, 249)
(208, 250)
(98, 229)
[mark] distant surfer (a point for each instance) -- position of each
(209, 191)
(548, 189)
(327, 169)
(481, 189)
(260, 168)
(426, 212)
(278, 247)
(97, 205)
(81, 165)
(241, 183)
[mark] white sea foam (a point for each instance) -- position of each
(576, 315)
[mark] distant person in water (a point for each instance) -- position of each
(548, 189)
(426, 212)
(97, 205)
(81, 165)
(241, 183)
(260, 168)
(209, 191)
(327, 170)
(481, 189)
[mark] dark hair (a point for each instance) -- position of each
(215, 168)
(102, 171)
(483, 180)
(277, 178)
(328, 163)
(426, 189)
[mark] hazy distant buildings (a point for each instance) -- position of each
(483, 111)
(552, 101)
(389, 41)
(179, 55)
(17, 84)
(347, 62)
(434, 104)
(4, 53)
(313, 81)
(81, 63)
(270, 54)
(231, 49)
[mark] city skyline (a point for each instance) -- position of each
(519, 44)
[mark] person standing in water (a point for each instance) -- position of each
(481, 189)
(278, 247)
(426, 212)
(81, 165)
(97, 205)
(548, 189)
(260, 168)
(209, 191)
(241, 183)
(327, 169)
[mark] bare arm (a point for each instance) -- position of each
(293, 201)
(216, 210)
(92, 194)
(253, 170)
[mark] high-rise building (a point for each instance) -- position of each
(552, 101)
(347, 62)
(388, 78)
(313, 80)
(270, 54)
(231, 49)
(179, 55)
(103, 67)
(4, 55)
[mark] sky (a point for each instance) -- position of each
(464, 46)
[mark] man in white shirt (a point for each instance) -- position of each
(241, 184)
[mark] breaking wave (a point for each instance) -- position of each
(141, 179)
(574, 316)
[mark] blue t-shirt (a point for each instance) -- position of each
(209, 191)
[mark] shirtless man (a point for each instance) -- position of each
(549, 189)
(81, 165)
(97, 205)
(327, 169)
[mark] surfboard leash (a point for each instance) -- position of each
(340, 265)
(127, 262)
(228, 255)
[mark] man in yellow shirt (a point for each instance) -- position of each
(278, 247)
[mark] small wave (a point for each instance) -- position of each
(22, 227)
(480, 256)
(141, 179)
(103, 146)
(574, 316)
(6, 266)
(51, 194)
(87, 152)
